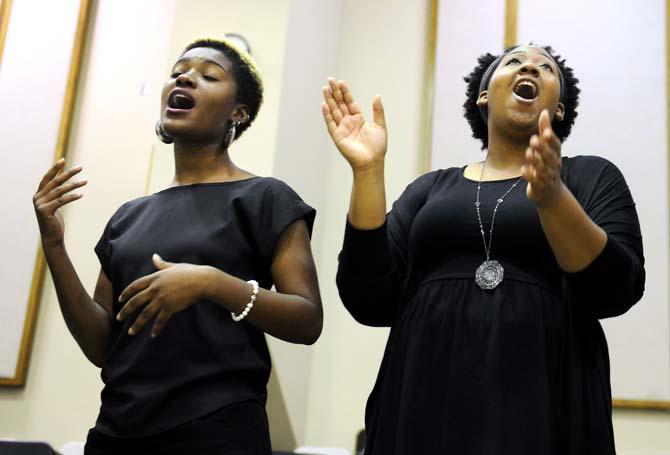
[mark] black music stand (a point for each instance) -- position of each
(25, 448)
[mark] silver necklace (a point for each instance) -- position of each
(490, 273)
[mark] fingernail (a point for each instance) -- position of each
(118, 317)
(131, 331)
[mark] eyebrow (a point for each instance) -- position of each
(206, 60)
(541, 53)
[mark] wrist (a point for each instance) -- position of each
(554, 199)
(52, 248)
(210, 279)
(372, 169)
(372, 175)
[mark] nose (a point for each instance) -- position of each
(529, 68)
(185, 80)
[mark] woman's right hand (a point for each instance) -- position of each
(54, 192)
(361, 143)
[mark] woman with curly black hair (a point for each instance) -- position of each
(183, 299)
(492, 276)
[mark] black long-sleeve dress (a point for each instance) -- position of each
(522, 369)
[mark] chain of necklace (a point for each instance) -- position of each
(490, 273)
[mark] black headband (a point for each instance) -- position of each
(484, 84)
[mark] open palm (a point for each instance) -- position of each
(361, 143)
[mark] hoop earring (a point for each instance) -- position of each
(230, 136)
(165, 139)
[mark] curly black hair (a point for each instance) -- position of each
(473, 114)
(245, 72)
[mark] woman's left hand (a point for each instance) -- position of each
(542, 169)
(173, 288)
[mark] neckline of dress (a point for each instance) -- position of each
(462, 174)
(206, 184)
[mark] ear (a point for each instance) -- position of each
(240, 114)
(483, 99)
(559, 114)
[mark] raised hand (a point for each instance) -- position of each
(171, 289)
(542, 168)
(53, 192)
(362, 144)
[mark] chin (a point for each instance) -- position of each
(178, 127)
(187, 132)
(524, 123)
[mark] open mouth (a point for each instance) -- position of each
(181, 100)
(526, 90)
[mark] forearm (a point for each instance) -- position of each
(574, 238)
(367, 206)
(290, 317)
(88, 322)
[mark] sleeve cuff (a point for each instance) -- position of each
(300, 211)
(102, 257)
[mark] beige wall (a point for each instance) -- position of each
(379, 49)
(311, 52)
(381, 52)
(642, 432)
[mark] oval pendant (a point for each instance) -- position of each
(489, 274)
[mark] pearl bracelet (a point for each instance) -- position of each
(250, 305)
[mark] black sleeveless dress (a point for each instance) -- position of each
(204, 370)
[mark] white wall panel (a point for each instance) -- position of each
(33, 79)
